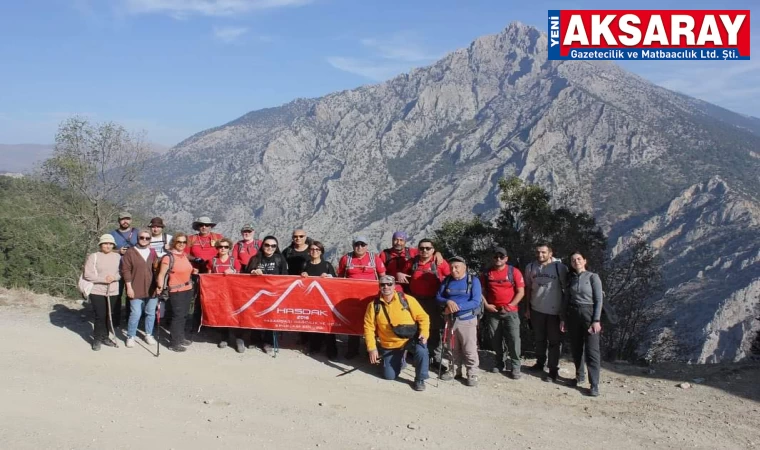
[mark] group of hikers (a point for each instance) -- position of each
(427, 307)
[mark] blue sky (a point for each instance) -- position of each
(176, 67)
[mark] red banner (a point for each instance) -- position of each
(286, 303)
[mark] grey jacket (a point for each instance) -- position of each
(584, 290)
(544, 286)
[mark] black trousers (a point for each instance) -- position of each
(582, 342)
(100, 307)
(180, 302)
(435, 312)
(238, 333)
(546, 329)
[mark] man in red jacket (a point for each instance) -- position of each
(396, 257)
(360, 265)
(425, 275)
(246, 248)
(201, 248)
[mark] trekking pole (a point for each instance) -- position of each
(444, 333)
(110, 322)
(276, 348)
(158, 328)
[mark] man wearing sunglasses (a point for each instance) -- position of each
(201, 248)
(503, 288)
(359, 264)
(297, 253)
(395, 324)
(424, 274)
(137, 273)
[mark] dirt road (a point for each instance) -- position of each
(57, 393)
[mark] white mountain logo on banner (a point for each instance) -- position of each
(284, 295)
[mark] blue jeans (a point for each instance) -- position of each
(136, 307)
(393, 361)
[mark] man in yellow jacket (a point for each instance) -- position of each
(394, 324)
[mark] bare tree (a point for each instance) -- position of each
(98, 165)
(632, 281)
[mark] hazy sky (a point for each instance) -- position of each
(176, 67)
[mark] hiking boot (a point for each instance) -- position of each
(515, 374)
(419, 386)
(447, 376)
(594, 391)
(268, 349)
(577, 382)
(108, 342)
(472, 380)
(222, 344)
(435, 365)
(178, 348)
(150, 340)
(495, 370)
(96, 345)
(130, 342)
(239, 345)
(536, 367)
(554, 374)
(187, 342)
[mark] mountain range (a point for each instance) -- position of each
(428, 146)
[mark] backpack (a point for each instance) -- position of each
(256, 243)
(388, 258)
(349, 259)
(128, 239)
(85, 287)
(477, 311)
(510, 276)
(164, 295)
(230, 264)
(416, 265)
(402, 331)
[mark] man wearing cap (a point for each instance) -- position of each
(201, 248)
(460, 293)
(383, 322)
(503, 288)
(246, 248)
(359, 264)
(159, 241)
(125, 237)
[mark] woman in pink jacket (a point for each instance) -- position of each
(102, 270)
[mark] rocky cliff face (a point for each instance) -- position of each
(428, 146)
(707, 238)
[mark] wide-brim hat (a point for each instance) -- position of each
(106, 239)
(156, 222)
(203, 220)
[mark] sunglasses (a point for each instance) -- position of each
(246, 232)
(386, 284)
(203, 226)
(315, 249)
(299, 236)
(143, 238)
(425, 249)
(499, 257)
(270, 245)
(224, 246)
(180, 242)
(360, 244)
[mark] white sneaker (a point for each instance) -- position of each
(130, 342)
(149, 340)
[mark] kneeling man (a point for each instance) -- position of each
(395, 324)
